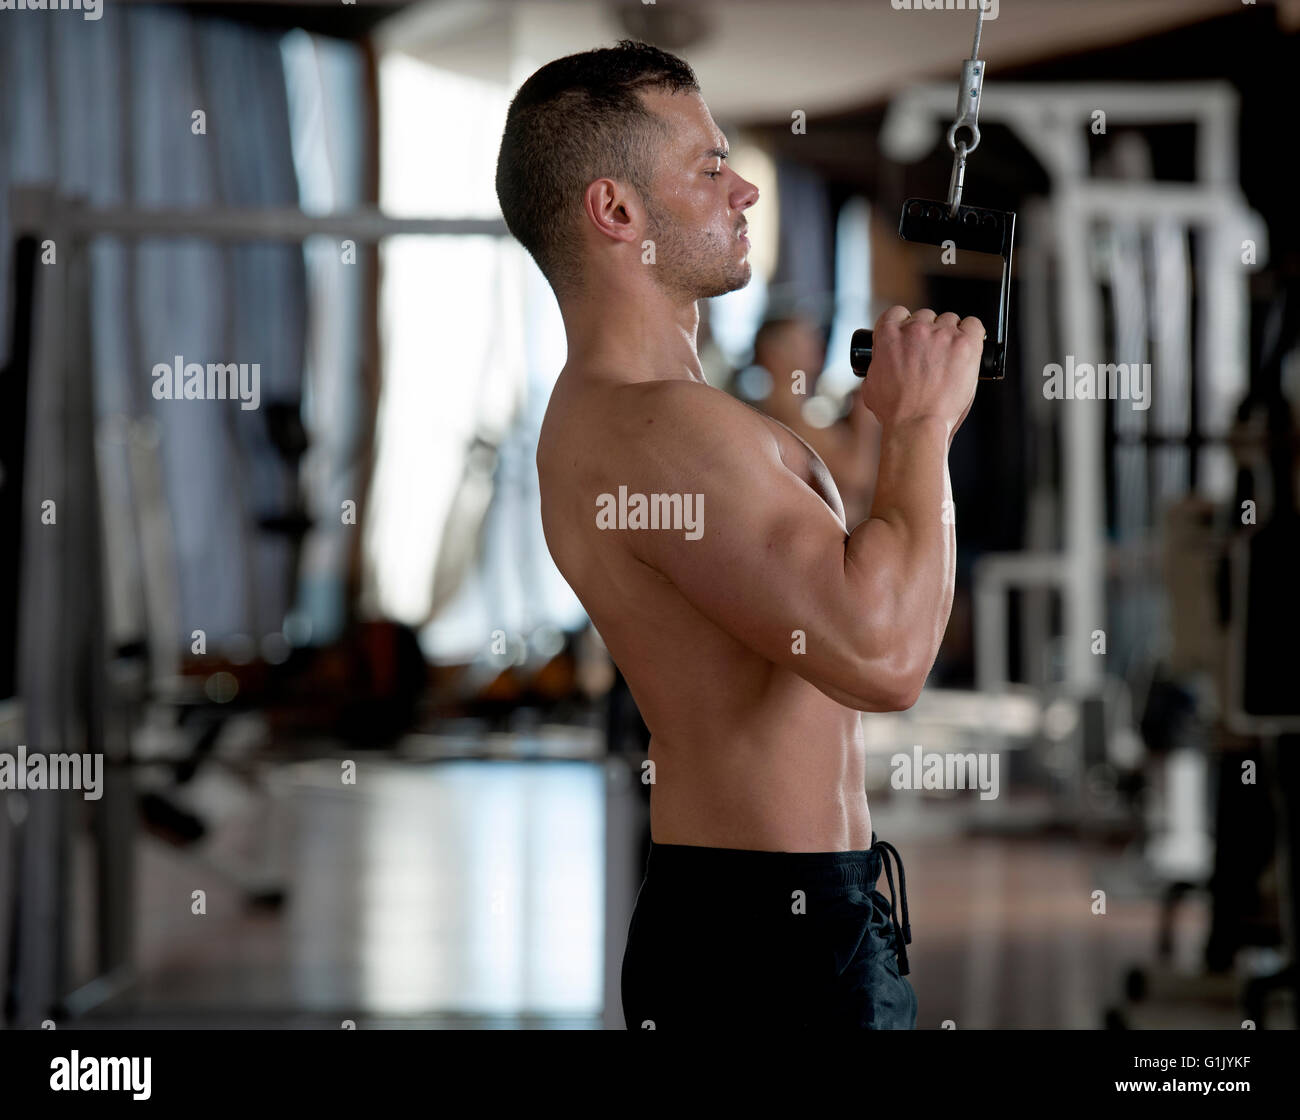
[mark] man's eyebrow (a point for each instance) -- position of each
(715, 153)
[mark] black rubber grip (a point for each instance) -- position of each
(860, 346)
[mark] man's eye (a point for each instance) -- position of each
(713, 173)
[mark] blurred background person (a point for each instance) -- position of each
(791, 352)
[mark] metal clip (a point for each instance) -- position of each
(968, 114)
(968, 111)
(968, 104)
(958, 179)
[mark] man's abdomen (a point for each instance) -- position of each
(795, 799)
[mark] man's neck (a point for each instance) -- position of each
(640, 335)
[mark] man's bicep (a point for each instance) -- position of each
(767, 566)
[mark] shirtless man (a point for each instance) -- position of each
(750, 647)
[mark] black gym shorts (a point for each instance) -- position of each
(734, 937)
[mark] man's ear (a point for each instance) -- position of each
(612, 210)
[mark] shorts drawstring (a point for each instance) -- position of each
(903, 933)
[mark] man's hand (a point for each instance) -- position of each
(923, 367)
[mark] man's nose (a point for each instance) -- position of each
(746, 194)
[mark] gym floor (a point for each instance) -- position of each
(470, 893)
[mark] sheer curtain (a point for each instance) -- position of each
(99, 113)
(327, 94)
(472, 343)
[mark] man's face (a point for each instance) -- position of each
(799, 346)
(696, 214)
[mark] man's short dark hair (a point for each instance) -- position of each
(578, 119)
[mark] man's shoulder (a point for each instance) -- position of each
(690, 407)
(625, 413)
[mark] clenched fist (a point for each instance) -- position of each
(923, 366)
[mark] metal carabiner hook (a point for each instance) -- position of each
(968, 113)
(958, 180)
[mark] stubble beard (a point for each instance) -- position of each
(693, 266)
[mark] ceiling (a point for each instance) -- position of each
(342, 19)
(757, 60)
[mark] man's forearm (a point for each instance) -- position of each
(903, 557)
